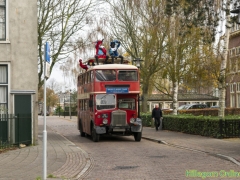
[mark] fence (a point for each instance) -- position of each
(15, 129)
(229, 128)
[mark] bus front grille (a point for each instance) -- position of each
(118, 118)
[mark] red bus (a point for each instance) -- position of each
(108, 101)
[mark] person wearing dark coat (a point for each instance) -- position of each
(156, 115)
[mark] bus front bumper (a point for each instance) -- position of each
(135, 126)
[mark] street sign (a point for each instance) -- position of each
(47, 75)
(47, 52)
(123, 90)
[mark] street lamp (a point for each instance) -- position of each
(70, 106)
(236, 11)
(64, 104)
(138, 64)
(59, 96)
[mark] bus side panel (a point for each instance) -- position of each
(87, 128)
(84, 121)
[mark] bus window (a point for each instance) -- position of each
(105, 101)
(127, 103)
(88, 77)
(105, 75)
(78, 84)
(85, 104)
(91, 76)
(82, 107)
(127, 76)
(79, 80)
(85, 78)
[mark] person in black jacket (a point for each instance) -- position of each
(157, 114)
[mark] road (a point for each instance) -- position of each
(116, 157)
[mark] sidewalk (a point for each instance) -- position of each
(64, 160)
(223, 148)
(67, 161)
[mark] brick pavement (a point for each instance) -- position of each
(66, 160)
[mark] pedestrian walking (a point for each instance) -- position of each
(156, 115)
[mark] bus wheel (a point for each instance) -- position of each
(137, 136)
(95, 136)
(82, 134)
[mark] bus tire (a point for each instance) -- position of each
(82, 134)
(137, 136)
(95, 136)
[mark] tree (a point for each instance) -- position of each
(141, 28)
(60, 23)
(51, 98)
(54, 85)
(162, 33)
(188, 19)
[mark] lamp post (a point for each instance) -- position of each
(70, 105)
(64, 104)
(59, 96)
(236, 11)
(138, 64)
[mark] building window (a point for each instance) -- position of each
(2, 20)
(233, 64)
(230, 52)
(238, 100)
(232, 100)
(238, 50)
(3, 89)
(238, 87)
(231, 88)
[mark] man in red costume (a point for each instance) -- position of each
(84, 66)
(101, 52)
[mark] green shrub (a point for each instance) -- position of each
(210, 126)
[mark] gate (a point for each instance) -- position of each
(15, 129)
(23, 126)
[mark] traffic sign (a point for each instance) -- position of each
(47, 52)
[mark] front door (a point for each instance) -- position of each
(23, 121)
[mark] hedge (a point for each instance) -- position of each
(199, 125)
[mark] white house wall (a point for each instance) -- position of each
(19, 51)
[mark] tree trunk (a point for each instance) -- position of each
(222, 76)
(175, 97)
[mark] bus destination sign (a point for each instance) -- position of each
(123, 90)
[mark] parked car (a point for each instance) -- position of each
(195, 106)
(47, 113)
(214, 107)
(181, 107)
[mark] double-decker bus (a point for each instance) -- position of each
(108, 101)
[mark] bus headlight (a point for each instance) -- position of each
(105, 121)
(132, 120)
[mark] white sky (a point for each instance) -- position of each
(57, 74)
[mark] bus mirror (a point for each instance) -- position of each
(90, 103)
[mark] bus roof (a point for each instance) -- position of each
(114, 66)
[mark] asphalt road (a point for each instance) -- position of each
(116, 157)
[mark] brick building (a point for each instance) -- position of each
(233, 75)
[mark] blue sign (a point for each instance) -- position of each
(117, 90)
(47, 52)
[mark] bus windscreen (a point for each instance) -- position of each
(105, 101)
(105, 75)
(127, 75)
